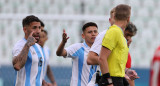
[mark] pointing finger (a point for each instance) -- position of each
(31, 33)
(64, 31)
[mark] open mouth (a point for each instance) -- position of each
(93, 38)
(36, 37)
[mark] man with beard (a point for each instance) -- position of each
(28, 59)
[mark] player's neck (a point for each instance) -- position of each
(121, 24)
(42, 46)
(88, 44)
(26, 37)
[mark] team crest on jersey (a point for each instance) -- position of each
(33, 52)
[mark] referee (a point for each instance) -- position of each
(114, 51)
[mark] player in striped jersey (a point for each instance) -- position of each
(28, 59)
(81, 72)
(155, 69)
(46, 52)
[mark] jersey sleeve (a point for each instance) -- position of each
(16, 50)
(110, 39)
(71, 50)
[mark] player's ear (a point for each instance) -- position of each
(83, 35)
(110, 20)
(25, 29)
(128, 20)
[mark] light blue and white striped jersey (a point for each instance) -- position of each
(46, 53)
(81, 72)
(96, 48)
(32, 72)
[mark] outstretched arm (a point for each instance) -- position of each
(20, 60)
(61, 51)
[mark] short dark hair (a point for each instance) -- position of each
(89, 24)
(29, 19)
(122, 12)
(45, 31)
(42, 24)
(131, 28)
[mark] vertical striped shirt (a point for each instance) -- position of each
(81, 72)
(32, 72)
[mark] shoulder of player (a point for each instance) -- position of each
(114, 31)
(20, 43)
(101, 34)
(75, 46)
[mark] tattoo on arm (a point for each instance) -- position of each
(20, 60)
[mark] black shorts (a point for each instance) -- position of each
(119, 81)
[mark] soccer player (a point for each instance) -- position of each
(95, 49)
(114, 51)
(46, 52)
(94, 52)
(155, 69)
(28, 59)
(129, 32)
(81, 72)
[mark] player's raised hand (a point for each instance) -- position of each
(31, 40)
(64, 36)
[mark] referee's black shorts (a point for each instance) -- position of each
(120, 81)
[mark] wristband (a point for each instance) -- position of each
(105, 80)
(106, 75)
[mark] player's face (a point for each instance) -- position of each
(43, 38)
(128, 35)
(90, 34)
(34, 26)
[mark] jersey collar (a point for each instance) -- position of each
(24, 39)
(120, 28)
(86, 44)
